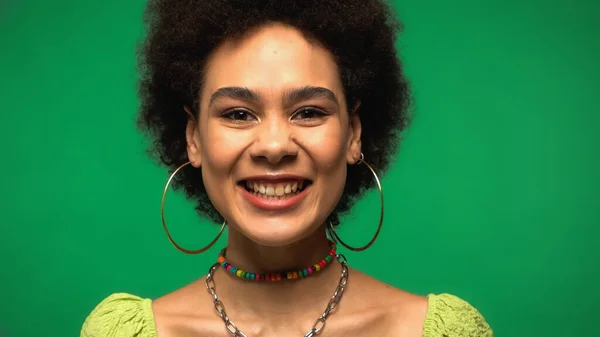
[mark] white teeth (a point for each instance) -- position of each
(274, 191)
(270, 191)
(279, 190)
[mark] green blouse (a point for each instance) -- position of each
(125, 315)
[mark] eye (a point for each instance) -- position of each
(308, 113)
(238, 115)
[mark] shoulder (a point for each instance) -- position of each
(448, 315)
(406, 314)
(187, 311)
(120, 315)
(399, 313)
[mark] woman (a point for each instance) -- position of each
(265, 111)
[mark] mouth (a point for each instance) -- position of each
(275, 190)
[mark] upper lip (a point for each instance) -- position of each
(275, 177)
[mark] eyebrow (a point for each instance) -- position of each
(240, 93)
(308, 92)
(290, 97)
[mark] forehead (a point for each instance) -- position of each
(271, 59)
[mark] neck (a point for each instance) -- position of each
(272, 300)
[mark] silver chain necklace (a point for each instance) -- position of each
(317, 326)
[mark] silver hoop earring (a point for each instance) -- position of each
(162, 211)
(332, 231)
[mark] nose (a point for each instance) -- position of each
(274, 142)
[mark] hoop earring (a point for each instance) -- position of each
(336, 237)
(162, 211)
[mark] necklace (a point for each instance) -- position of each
(291, 274)
(319, 322)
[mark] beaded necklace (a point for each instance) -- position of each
(286, 275)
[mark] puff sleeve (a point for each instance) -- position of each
(450, 316)
(120, 315)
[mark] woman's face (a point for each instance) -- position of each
(274, 135)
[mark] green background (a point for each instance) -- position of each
(494, 196)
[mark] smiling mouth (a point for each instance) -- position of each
(275, 191)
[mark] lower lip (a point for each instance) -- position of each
(274, 204)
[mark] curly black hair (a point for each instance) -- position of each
(360, 34)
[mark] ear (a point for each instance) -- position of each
(192, 137)
(355, 130)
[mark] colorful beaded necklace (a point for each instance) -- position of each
(287, 275)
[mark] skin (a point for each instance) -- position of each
(315, 136)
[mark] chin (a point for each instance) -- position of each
(276, 232)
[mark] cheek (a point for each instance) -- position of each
(220, 150)
(327, 147)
